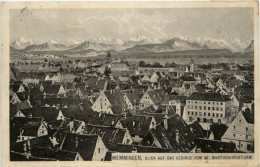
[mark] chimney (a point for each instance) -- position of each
(177, 136)
(24, 147)
(81, 106)
(71, 125)
(76, 141)
(165, 123)
(30, 115)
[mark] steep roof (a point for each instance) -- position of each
(104, 119)
(61, 101)
(84, 144)
(156, 95)
(49, 114)
(52, 89)
(110, 135)
(140, 149)
(116, 99)
(249, 116)
(96, 83)
(133, 97)
(137, 124)
(208, 96)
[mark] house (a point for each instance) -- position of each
(50, 114)
(126, 148)
(90, 147)
(17, 88)
(54, 91)
(104, 119)
(83, 93)
(110, 101)
(138, 126)
(208, 107)
(32, 130)
(175, 101)
(96, 83)
(110, 135)
(152, 98)
(19, 97)
(132, 101)
(73, 126)
(172, 133)
(118, 67)
(60, 102)
(241, 132)
(214, 146)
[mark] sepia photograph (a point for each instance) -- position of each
(91, 84)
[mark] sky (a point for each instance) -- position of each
(47, 24)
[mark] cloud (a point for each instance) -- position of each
(127, 23)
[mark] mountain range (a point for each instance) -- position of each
(136, 44)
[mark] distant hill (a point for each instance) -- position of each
(250, 48)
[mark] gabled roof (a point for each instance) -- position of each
(15, 88)
(96, 83)
(104, 119)
(116, 99)
(84, 144)
(84, 91)
(137, 124)
(79, 113)
(249, 116)
(61, 101)
(110, 135)
(140, 149)
(133, 97)
(49, 114)
(187, 78)
(156, 95)
(208, 96)
(52, 89)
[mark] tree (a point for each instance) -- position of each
(107, 71)
(141, 64)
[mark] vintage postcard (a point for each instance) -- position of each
(130, 84)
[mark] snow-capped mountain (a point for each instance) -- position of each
(250, 48)
(136, 44)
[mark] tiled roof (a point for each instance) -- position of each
(249, 116)
(215, 146)
(140, 149)
(208, 96)
(96, 83)
(104, 119)
(110, 135)
(137, 124)
(156, 95)
(86, 144)
(116, 99)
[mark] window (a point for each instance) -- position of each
(213, 108)
(99, 150)
(221, 103)
(208, 114)
(188, 112)
(208, 102)
(246, 128)
(217, 115)
(195, 113)
(196, 107)
(200, 113)
(204, 102)
(204, 114)
(221, 115)
(200, 108)
(246, 136)
(191, 113)
(221, 109)
(217, 103)
(234, 135)
(188, 107)
(213, 102)
(196, 102)
(205, 108)
(234, 127)
(208, 108)
(217, 108)
(213, 114)
(249, 147)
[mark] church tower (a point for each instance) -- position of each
(191, 65)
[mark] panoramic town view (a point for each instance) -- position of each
(87, 83)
